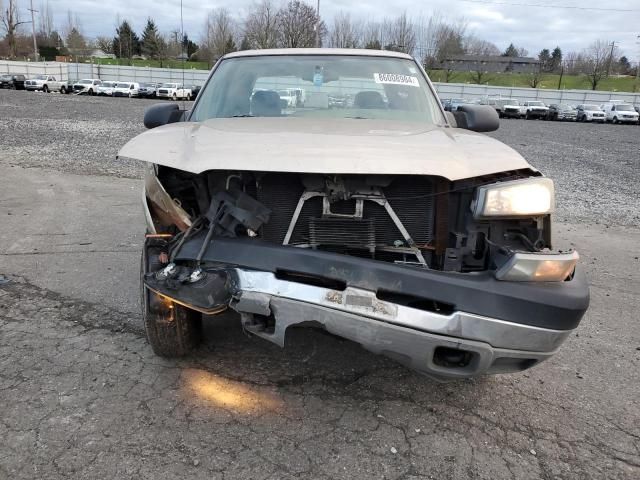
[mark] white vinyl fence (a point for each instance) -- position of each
(76, 71)
(548, 96)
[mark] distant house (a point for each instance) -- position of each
(182, 56)
(490, 63)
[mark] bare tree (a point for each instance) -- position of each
(401, 34)
(597, 57)
(46, 27)
(219, 34)
(535, 77)
(440, 38)
(104, 43)
(372, 35)
(261, 26)
(298, 22)
(345, 33)
(74, 39)
(11, 22)
(479, 76)
(476, 46)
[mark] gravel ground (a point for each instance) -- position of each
(595, 167)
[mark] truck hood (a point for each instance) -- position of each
(347, 146)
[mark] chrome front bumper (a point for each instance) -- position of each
(416, 338)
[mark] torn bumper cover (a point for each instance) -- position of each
(446, 325)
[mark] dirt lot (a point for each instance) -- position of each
(83, 397)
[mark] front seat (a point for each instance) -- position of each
(368, 100)
(266, 103)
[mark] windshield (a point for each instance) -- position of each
(591, 107)
(108, 84)
(624, 108)
(85, 82)
(318, 86)
(536, 104)
(40, 77)
(170, 85)
(565, 106)
(123, 85)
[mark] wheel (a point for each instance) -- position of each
(45, 89)
(527, 116)
(63, 90)
(91, 92)
(130, 96)
(615, 120)
(174, 98)
(172, 330)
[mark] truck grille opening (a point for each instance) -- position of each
(373, 232)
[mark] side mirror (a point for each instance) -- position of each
(478, 118)
(162, 114)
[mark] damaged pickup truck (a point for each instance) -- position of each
(387, 222)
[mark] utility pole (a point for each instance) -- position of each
(613, 46)
(318, 25)
(638, 67)
(33, 30)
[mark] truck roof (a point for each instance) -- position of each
(318, 51)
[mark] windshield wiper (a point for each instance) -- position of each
(242, 115)
(359, 118)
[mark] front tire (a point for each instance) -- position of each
(45, 89)
(63, 90)
(172, 330)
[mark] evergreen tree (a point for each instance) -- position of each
(511, 51)
(151, 45)
(373, 45)
(556, 59)
(545, 60)
(245, 44)
(126, 43)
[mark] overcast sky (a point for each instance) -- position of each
(499, 21)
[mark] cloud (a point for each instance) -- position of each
(528, 27)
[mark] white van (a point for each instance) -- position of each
(620, 112)
(126, 89)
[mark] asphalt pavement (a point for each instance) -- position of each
(84, 397)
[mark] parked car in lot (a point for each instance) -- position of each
(452, 104)
(562, 111)
(588, 112)
(534, 109)
(620, 113)
(506, 107)
(12, 81)
(87, 86)
(390, 223)
(174, 91)
(45, 83)
(195, 90)
(106, 88)
(148, 90)
(126, 89)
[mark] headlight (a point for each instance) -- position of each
(518, 198)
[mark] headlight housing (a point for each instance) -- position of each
(530, 197)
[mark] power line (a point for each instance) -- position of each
(538, 5)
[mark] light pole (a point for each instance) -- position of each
(318, 25)
(33, 31)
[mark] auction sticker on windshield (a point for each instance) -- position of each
(396, 79)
